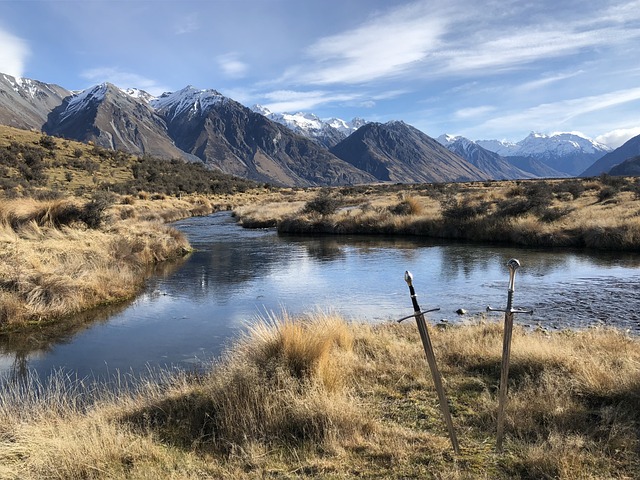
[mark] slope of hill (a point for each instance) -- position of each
(629, 149)
(31, 162)
(397, 152)
(628, 168)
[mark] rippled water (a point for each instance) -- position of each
(192, 308)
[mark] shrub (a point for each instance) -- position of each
(408, 206)
(465, 209)
(323, 203)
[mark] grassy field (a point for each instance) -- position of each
(599, 213)
(316, 397)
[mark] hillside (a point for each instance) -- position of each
(31, 161)
(630, 149)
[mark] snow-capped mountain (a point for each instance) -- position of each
(490, 162)
(567, 152)
(25, 103)
(324, 132)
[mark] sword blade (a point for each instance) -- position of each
(433, 366)
(504, 376)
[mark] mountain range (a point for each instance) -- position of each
(279, 148)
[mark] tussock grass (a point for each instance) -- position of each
(317, 397)
(556, 213)
(58, 257)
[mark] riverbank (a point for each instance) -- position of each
(600, 213)
(64, 255)
(319, 397)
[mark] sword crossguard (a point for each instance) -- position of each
(417, 313)
(512, 310)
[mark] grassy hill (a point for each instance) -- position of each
(31, 161)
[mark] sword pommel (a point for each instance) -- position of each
(408, 278)
(513, 265)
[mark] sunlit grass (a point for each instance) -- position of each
(319, 397)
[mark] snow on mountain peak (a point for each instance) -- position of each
(188, 99)
(138, 94)
(82, 99)
(447, 139)
(310, 125)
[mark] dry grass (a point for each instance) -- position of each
(599, 213)
(53, 264)
(319, 398)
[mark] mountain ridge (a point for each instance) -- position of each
(287, 149)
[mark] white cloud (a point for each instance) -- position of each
(383, 47)
(554, 115)
(280, 101)
(465, 113)
(13, 54)
(124, 79)
(232, 66)
(615, 138)
(547, 80)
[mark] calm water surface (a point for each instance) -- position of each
(191, 309)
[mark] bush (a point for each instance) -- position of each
(465, 209)
(324, 204)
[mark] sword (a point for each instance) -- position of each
(431, 359)
(513, 265)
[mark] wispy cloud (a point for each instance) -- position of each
(554, 115)
(547, 80)
(466, 113)
(382, 47)
(295, 101)
(124, 79)
(617, 137)
(232, 66)
(187, 24)
(424, 39)
(13, 54)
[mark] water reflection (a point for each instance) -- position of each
(190, 309)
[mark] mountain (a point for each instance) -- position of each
(326, 133)
(26, 103)
(112, 118)
(398, 152)
(536, 167)
(630, 149)
(497, 167)
(234, 139)
(628, 168)
(565, 152)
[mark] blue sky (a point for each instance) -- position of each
(493, 69)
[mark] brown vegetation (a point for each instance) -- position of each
(320, 398)
(64, 255)
(602, 213)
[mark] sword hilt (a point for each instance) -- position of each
(512, 310)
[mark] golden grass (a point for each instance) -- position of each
(54, 265)
(535, 212)
(316, 397)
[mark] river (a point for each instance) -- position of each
(191, 309)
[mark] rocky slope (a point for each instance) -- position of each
(630, 149)
(397, 152)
